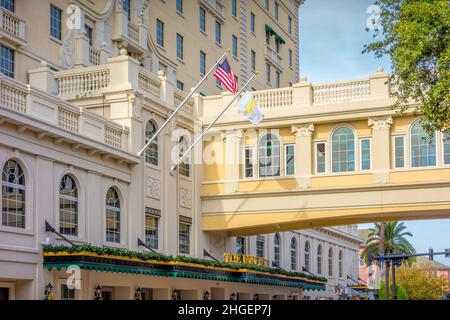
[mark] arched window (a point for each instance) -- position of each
(13, 195)
(330, 262)
(276, 249)
(307, 255)
(294, 254)
(68, 206)
(183, 168)
(343, 150)
(319, 259)
(112, 216)
(269, 156)
(151, 153)
(340, 263)
(423, 147)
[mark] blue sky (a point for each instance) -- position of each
(332, 37)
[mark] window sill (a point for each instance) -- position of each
(185, 178)
(56, 40)
(152, 166)
(160, 47)
(204, 33)
(180, 14)
(180, 60)
(20, 231)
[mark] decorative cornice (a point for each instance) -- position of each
(306, 130)
(380, 123)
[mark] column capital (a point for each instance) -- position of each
(232, 135)
(380, 123)
(303, 130)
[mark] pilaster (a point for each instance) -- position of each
(303, 160)
(380, 148)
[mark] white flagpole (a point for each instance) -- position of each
(140, 153)
(173, 168)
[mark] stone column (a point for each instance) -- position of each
(380, 152)
(303, 154)
(233, 140)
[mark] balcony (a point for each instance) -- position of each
(65, 118)
(215, 7)
(12, 28)
(274, 57)
(129, 35)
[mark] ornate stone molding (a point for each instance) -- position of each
(305, 130)
(185, 198)
(380, 123)
(153, 188)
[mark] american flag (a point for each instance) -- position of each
(226, 76)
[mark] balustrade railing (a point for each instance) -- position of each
(74, 84)
(179, 96)
(12, 24)
(68, 119)
(113, 137)
(274, 99)
(94, 56)
(149, 83)
(133, 32)
(341, 91)
(273, 55)
(13, 95)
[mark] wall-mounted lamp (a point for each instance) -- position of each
(176, 294)
(98, 294)
(48, 291)
(256, 296)
(233, 296)
(138, 294)
(206, 295)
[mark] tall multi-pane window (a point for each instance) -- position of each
(151, 153)
(253, 59)
(399, 151)
(7, 61)
(446, 148)
(184, 167)
(340, 263)
(289, 156)
(260, 244)
(290, 25)
(151, 230)
(234, 8)
(89, 33)
(234, 46)
(321, 166)
(179, 6)
(55, 22)
(248, 163)
(276, 9)
(343, 150)
(290, 58)
(293, 254)
(184, 238)
(269, 156)
(202, 19)
(180, 53)
(218, 32)
(66, 293)
(112, 216)
(268, 72)
(202, 63)
(276, 249)
(319, 259)
(423, 147)
(126, 6)
(180, 85)
(252, 22)
(160, 32)
(307, 256)
(13, 195)
(240, 245)
(365, 154)
(266, 4)
(68, 206)
(330, 262)
(278, 79)
(8, 4)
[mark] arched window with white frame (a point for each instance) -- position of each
(343, 150)
(184, 167)
(13, 195)
(269, 155)
(276, 249)
(330, 262)
(293, 253)
(113, 211)
(68, 206)
(341, 264)
(423, 147)
(151, 153)
(319, 259)
(307, 256)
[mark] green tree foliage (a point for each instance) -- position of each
(401, 292)
(416, 36)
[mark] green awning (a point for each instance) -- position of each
(278, 38)
(270, 30)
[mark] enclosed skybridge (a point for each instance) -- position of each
(325, 155)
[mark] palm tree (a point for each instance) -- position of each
(387, 238)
